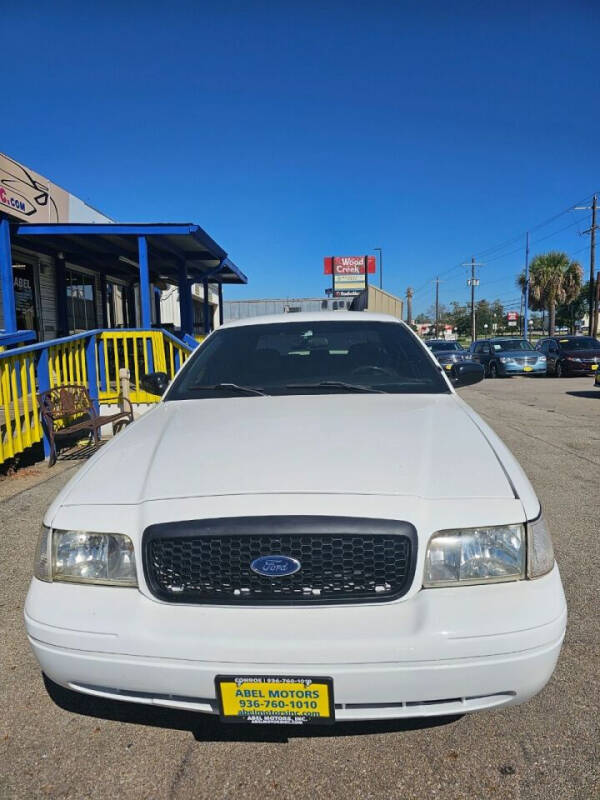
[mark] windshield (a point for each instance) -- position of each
(439, 346)
(580, 343)
(308, 358)
(512, 344)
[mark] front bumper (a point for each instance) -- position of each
(522, 369)
(442, 651)
(580, 367)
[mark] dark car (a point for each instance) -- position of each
(571, 355)
(448, 352)
(502, 356)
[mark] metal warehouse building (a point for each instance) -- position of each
(242, 309)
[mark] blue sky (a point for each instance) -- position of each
(294, 130)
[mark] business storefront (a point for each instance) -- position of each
(60, 276)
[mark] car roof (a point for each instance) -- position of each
(314, 316)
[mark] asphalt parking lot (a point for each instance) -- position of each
(77, 747)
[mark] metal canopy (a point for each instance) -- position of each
(114, 247)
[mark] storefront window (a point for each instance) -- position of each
(24, 297)
(81, 301)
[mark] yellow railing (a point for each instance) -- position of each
(95, 356)
(66, 363)
(20, 425)
(140, 352)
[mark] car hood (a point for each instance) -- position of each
(518, 353)
(418, 445)
(448, 355)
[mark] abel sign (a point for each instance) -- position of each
(349, 274)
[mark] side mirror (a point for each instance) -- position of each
(466, 374)
(155, 383)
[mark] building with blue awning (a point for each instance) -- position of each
(67, 268)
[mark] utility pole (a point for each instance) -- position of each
(526, 289)
(592, 231)
(380, 266)
(409, 297)
(437, 305)
(597, 307)
(592, 303)
(473, 281)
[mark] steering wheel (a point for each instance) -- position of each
(372, 368)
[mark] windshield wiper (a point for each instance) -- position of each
(229, 387)
(349, 387)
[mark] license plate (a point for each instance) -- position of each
(275, 700)
(448, 367)
(527, 369)
(594, 367)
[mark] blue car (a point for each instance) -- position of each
(501, 357)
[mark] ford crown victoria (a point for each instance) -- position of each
(290, 536)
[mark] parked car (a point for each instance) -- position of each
(502, 356)
(286, 537)
(448, 352)
(571, 355)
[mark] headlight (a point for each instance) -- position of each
(84, 557)
(540, 552)
(506, 359)
(572, 358)
(541, 358)
(475, 555)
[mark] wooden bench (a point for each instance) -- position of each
(67, 410)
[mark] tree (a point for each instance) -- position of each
(569, 313)
(459, 317)
(553, 278)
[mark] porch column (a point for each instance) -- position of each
(6, 279)
(104, 299)
(62, 323)
(206, 313)
(131, 321)
(186, 308)
(220, 303)
(144, 283)
(157, 307)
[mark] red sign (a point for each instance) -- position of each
(512, 316)
(348, 265)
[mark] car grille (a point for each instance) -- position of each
(343, 560)
(522, 360)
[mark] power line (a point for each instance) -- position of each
(507, 242)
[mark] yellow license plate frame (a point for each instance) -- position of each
(279, 700)
(527, 369)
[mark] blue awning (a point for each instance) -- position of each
(113, 247)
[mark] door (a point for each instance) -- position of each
(552, 354)
(481, 354)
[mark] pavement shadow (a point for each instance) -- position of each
(208, 728)
(590, 393)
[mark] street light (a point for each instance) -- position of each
(380, 266)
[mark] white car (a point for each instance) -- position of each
(310, 526)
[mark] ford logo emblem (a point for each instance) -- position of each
(275, 566)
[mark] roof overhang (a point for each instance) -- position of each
(113, 247)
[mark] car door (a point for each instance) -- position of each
(479, 354)
(486, 356)
(552, 354)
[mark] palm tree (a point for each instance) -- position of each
(553, 278)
